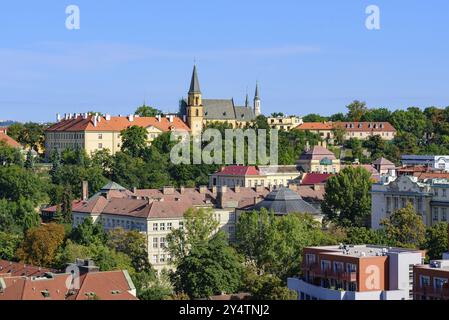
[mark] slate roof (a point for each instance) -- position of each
(194, 83)
(222, 109)
(283, 201)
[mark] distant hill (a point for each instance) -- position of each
(6, 123)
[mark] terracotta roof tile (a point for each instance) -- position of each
(315, 126)
(9, 141)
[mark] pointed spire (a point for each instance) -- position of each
(256, 95)
(194, 83)
(247, 101)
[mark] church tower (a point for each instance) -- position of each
(195, 105)
(257, 110)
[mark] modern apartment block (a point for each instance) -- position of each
(432, 162)
(356, 273)
(430, 198)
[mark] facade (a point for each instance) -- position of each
(253, 176)
(356, 273)
(94, 132)
(431, 162)
(431, 282)
(285, 123)
(429, 197)
(199, 112)
(319, 160)
(364, 130)
(89, 284)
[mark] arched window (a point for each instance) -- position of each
(197, 112)
(197, 101)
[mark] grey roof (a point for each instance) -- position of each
(283, 201)
(194, 83)
(256, 95)
(244, 114)
(383, 161)
(112, 186)
(222, 109)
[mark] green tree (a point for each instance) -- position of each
(436, 240)
(8, 245)
(29, 162)
(356, 110)
(362, 235)
(199, 225)
(88, 233)
(134, 140)
(405, 228)
(266, 287)
(147, 111)
(210, 268)
(347, 200)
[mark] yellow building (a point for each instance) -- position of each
(94, 132)
(285, 123)
(199, 112)
(319, 160)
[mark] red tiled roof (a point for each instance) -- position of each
(315, 178)
(315, 126)
(53, 209)
(431, 175)
(117, 124)
(9, 141)
(366, 126)
(239, 171)
(16, 269)
(317, 153)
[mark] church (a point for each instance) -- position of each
(198, 112)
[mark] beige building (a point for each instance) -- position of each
(94, 132)
(364, 130)
(285, 123)
(253, 176)
(156, 212)
(319, 160)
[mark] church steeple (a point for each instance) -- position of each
(257, 110)
(195, 111)
(247, 101)
(194, 83)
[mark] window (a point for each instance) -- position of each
(424, 281)
(162, 258)
(325, 265)
(232, 217)
(169, 226)
(181, 225)
(444, 192)
(350, 267)
(310, 258)
(154, 260)
(231, 229)
(154, 226)
(439, 282)
(338, 266)
(100, 136)
(435, 214)
(155, 243)
(444, 214)
(100, 146)
(162, 227)
(162, 242)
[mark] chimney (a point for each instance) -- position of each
(134, 190)
(256, 200)
(237, 189)
(95, 121)
(272, 187)
(184, 118)
(170, 118)
(85, 190)
(58, 117)
(182, 189)
(293, 187)
(131, 118)
(316, 187)
(86, 266)
(221, 191)
(203, 189)
(159, 118)
(108, 117)
(214, 189)
(260, 189)
(168, 190)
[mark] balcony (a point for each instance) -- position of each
(432, 292)
(316, 271)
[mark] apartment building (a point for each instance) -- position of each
(253, 176)
(356, 273)
(364, 130)
(156, 212)
(285, 123)
(430, 197)
(96, 132)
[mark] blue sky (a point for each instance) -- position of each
(309, 56)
